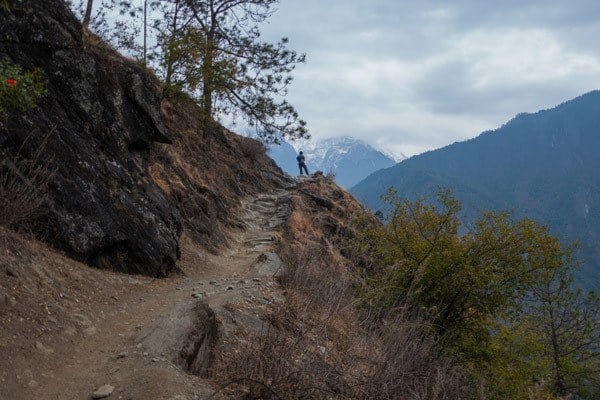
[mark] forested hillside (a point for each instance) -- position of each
(543, 165)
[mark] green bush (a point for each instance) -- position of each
(494, 294)
(23, 182)
(19, 90)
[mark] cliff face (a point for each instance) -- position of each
(118, 188)
(96, 123)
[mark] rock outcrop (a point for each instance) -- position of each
(131, 169)
(94, 129)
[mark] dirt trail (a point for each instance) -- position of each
(135, 345)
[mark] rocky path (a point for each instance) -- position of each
(142, 346)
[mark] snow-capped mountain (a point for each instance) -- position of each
(350, 159)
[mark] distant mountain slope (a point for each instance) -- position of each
(543, 165)
(349, 159)
(285, 157)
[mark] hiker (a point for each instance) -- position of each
(301, 163)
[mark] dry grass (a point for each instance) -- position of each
(400, 358)
(302, 351)
(251, 149)
(23, 191)
(209, 171)
(314, 271)
(405, 359)
(275, 365)
(302, 226)
(316, 345)
(158, 175)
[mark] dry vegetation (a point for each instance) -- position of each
(23, 196)
(251, 149)
(316, 344)
(405, 360)
(23, 190)
(207, 171)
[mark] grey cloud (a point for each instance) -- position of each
(420, 75)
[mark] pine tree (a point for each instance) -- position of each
(239, 73)
(115, 21)
(567, 322)
(212, 50)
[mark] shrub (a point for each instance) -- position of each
(323, 282)
(252, 149)
(499, 296)
(272, 365)
(18, 90)
(24, 187)
(285, 360)
(406, 363)
(23, 192)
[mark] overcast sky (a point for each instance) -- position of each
(411, 76)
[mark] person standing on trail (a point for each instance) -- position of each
(301, 163)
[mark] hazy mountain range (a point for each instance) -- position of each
(543, 165)
(351, 160)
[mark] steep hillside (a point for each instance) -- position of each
(349, 159)
(541, 165)
(117, 155)
(226, 323)
(133, 184)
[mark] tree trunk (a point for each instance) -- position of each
(88, 14)
(207, 86)
(208, 73)
(559, 382)
(145, 32)
(208, 78)
(168, 56)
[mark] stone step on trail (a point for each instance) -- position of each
(259, 239)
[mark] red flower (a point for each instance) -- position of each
(11, 82)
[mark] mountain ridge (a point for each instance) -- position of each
(540, 165)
